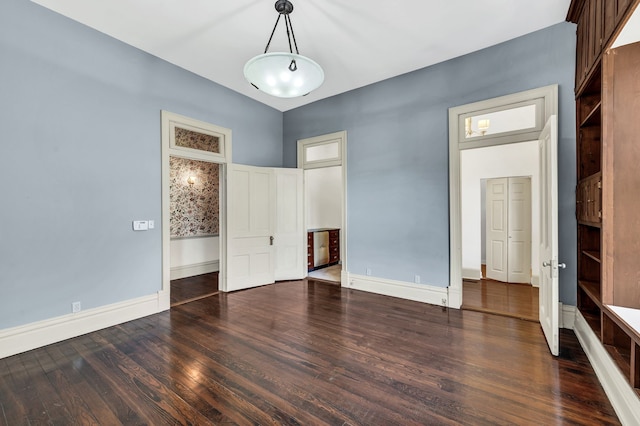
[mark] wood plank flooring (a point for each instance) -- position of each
(495, 297)
(306, 353)
(187, 290)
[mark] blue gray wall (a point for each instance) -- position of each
(80, 135)
(398, 195)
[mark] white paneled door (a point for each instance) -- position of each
(250, 219)
(265, 226)
(549, 299)
(289, 239)
(509, 229)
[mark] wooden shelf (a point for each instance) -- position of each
(593, 118)
(621, 358)
(593, 321)
(626, 319)
(592, 254)
(592, 289)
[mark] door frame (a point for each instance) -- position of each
(546, 101)
(340, 160)
(169, 120)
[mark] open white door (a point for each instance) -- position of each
(289, 242)
(250, 222)
(548, 150)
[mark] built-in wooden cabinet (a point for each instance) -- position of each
(608, 179)
(332, 254)
(597, 21)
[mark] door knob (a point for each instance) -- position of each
(271, 240)
(557, 266)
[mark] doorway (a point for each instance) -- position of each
(520, 117)
(194, 165)
(322, 159)
(498, 292)
(194, 193)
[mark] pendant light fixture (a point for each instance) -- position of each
(284, 74)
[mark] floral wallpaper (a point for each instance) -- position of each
(195, 140)
(194, 207)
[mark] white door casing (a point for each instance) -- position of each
(549, 315)
(289, 240)
(519, 226)
(547, 107)
(250, 222)
(497, 229)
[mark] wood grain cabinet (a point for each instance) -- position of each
(332, 249)
(597, 21)
(589, 200)
(608, 191)
(309, 251)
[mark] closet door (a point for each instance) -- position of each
(509, 229)
(497, 229)
(519, 230)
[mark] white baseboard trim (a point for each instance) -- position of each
(185, 271)
(623, 398)
(403, 290)
(567, 316)
(535, 280)
(23, 338)
(471, 274)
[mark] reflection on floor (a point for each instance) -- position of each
(495, 297)
(331, 273)
(193, 288)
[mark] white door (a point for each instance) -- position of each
(548, 150)
(519, 230)
(497, 229)
(250, 223)
(289, 240)
(508, 227)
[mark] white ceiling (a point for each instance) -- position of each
(357, 42)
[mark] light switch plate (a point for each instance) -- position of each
(140, 225)
(152, 224)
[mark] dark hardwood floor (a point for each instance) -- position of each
(187, 290)
(306, 353)
(495, 297)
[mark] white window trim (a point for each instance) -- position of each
(303, 144)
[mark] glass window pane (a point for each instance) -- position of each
(322, 152)
(504, 121)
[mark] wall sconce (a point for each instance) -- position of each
(483, 126)
(191, 180)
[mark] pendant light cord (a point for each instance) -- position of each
(289, 25)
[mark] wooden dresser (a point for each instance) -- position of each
(333, 248)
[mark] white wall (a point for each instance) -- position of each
(323, 197)
(194, 256)
(519, 159)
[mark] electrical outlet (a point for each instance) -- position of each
(76, 307)
(416, 279)
(368, 272)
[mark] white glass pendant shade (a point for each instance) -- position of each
(272, 73)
